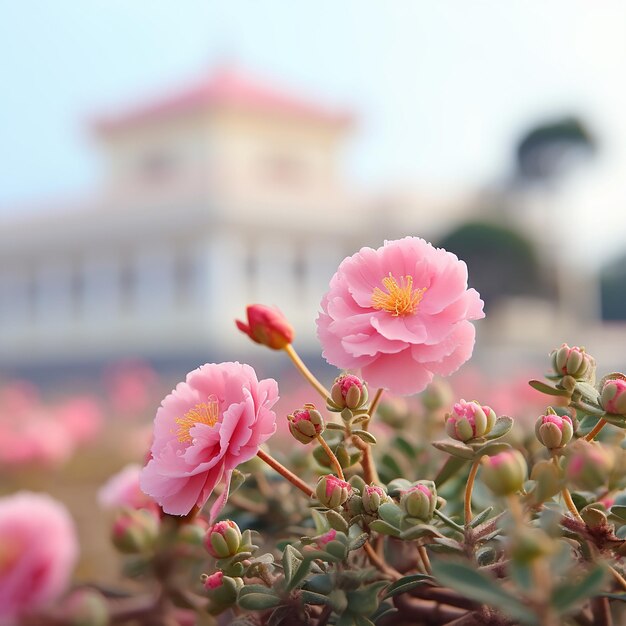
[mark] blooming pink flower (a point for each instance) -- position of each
(399, 313)
(123, 490)
(207, 426)
(38, 550)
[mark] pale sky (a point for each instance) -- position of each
(441, 89)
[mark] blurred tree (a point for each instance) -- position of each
(502, 262)
(548, 150)
(613, 287)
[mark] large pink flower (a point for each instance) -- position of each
(38, 551)
(207, 426)
(399, 314)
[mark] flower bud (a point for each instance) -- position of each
(594, 516)
(504, 473)
(214, 580)
(469, 420)
(306, 424)
(267, 326)
(134, 530)
(554, 431)
(372, 497)
(348, 392)
(437, 395)
(613, 396)
(85, 607)
(574, 362)
(588, 465)
(332, 491)
(530, 544)
(223, 539)
(419, 500)
(222, 591)
(326, 538)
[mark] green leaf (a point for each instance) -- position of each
(589, 393)
(299, 574)
(310, 597)
(366, 436)
(449, 544)
(565, 596)
(322, 583)
(236, 480)
(391, 465)
(336, 521)
(547, 389)
(615, 596)
(390, 513)
(405, 447)
(365, 601)
(492, 448)
(502, 426)
(384, 528)
(320, 521)
(455, 448)
(291, 561)
(619, 511)
(397, 486)
(446, 520)
(406, 583)
(419, 531)
(257, 598)
(481, 517)
(384, 609)
(482, 588)
(451, 467)
(358, 542)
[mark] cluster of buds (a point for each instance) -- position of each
(504, 473)
(306, 424)
(613, 396)
(222, 591)
(588, 465)
(267, 326)
(332, 492)
(348, 392)
(372, 497)
(554, 431)
(419, 500)
(223, 539)
(135, 530)
(574, 362)
(469, 420)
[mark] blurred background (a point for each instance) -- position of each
(164, 164)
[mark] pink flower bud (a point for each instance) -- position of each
(214, 580)
(306, 424)
(349, 392)
(504, 473)
(613, 396)
(332, 491)
(326, 538)
(574, 362)
(267, 326)
(135, 530)
(588, 465)
(85, 606)
(419, 500)
(223, 539)
(372, 497)
(554, 431)
(469, 420)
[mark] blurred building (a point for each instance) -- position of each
(224, 193)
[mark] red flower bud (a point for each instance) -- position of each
(267, 326)
(613, 396)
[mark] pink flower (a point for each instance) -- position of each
(38, 551)
(207, 426)
(399, 313)
(123, 490)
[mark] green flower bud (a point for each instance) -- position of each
(530, 544)
(85, 607)
(574, 362)
(594, 516)
(332, 491)
(306, 424)
(554, 431)
(469, 420)
(223, 539)
(504, 473)
(135, 530)
(373, 496)
(419, 500)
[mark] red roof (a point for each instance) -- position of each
(230, 88)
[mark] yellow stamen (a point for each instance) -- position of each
(203, 413)
(400, 299)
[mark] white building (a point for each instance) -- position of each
(225, 193)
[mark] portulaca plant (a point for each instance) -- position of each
(367, 515)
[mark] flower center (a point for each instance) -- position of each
(203, 413)
(400, 299)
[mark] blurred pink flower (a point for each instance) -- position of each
(207, 426)
(399, 313)
(38, 551)
(123, 490)
(130, 387)
(81, 417)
